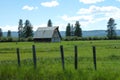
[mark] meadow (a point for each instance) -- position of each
(49, 66)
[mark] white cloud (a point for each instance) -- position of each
(35, 27)
(9, 27)
(50, 4)
(61, 26)
(66, 18)
(90, 1)
(101, 12)
(15, 28)
(93, 15)
(26, 7)
(83, 19)
(75, 18)
(118, 0)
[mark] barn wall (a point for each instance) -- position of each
(56, 37)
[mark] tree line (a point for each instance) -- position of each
(25, 31)
(75, 32)
(5, 39)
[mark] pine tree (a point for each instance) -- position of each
(1, 33)
(9, 34)
(111, 33)
(49, 23)
(68, 30)
(27, 30)
(20, 29)
(72, 30)
(78, 30)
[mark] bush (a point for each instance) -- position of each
(29, 39)
(9, 39)
(75, 38)
(3, 39)
(72, 38)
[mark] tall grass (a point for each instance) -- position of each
(49, 61)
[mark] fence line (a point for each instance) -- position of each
(94, 57)
(62, 57)
(34, 56)
(76, 57)
(18, 57)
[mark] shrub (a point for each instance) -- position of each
(3, 39)
(29, 39)
(9, 39)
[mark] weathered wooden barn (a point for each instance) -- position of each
(47, 34)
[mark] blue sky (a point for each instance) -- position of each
(92, 14)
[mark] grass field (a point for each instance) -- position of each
(49, 61)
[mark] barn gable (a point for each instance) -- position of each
(47, 34)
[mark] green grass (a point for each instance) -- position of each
(49, 61)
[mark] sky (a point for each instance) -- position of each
(91, 14)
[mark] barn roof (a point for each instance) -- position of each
(45, 32)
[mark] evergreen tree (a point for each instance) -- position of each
(1, 33)
(20, 29)
(27, 30)
(78, 30)
(49, 23)
(72, 30)
(111, 33)
(68, 30)
(9, 33)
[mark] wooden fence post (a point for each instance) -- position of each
(34, 56)
(62, 56)
(94, 57)
(76, 57)
(18, 56)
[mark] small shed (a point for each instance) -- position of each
(47, 34)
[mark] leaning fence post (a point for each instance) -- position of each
(94, 57)
(18, 56)
(62, 56)
(76, 57)
(34, 56)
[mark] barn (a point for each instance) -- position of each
(47, 34)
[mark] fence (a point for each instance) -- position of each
(62, 57)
